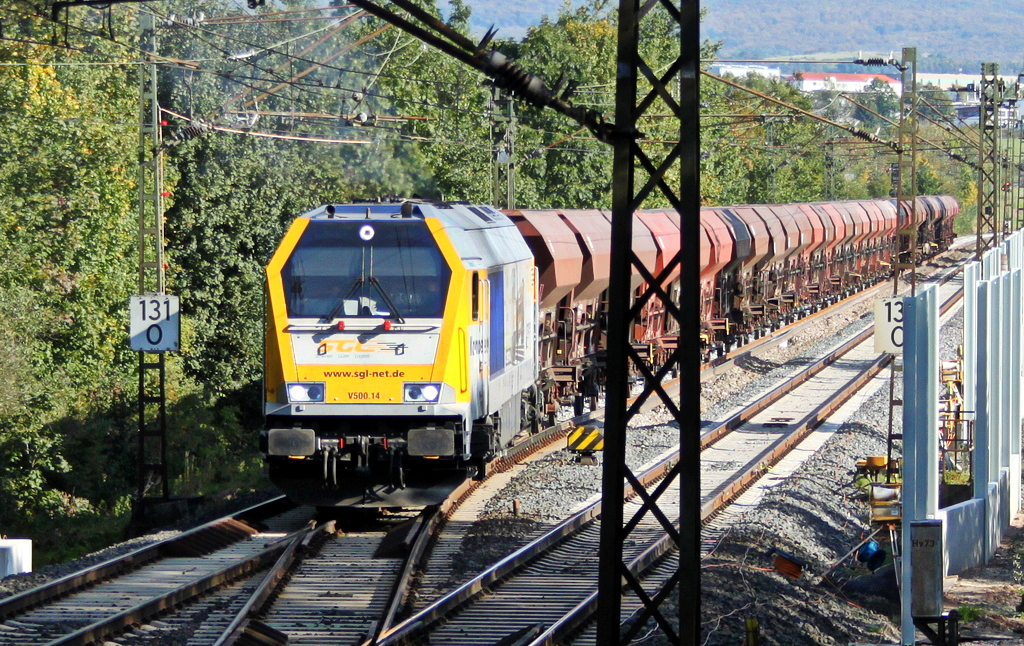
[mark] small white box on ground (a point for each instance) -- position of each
(15, 556)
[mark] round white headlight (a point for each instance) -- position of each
(297, 393)
(430, 392)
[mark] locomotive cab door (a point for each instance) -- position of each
(479, 343)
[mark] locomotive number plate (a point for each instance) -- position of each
(363, 395)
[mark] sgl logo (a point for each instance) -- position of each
(349, 346)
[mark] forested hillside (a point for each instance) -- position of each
(949, 36)
(266, 119)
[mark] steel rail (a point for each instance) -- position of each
(209, 536)
(428, 521)
(182, 594)
(245, 627)
(240, 625)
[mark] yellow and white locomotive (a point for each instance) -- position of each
(400, 351)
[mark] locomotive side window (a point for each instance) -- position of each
(366, 269)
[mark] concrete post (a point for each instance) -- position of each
(1015, 332)
(997, 436)
(972, 273)
(982, 466)
(920, 431)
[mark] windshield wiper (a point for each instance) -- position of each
(336, 310)
(395, 314)
(358, 283)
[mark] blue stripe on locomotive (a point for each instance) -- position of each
(497, 282)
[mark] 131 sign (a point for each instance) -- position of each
(154, 322)
(889, 325)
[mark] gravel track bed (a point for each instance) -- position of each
(552, 488)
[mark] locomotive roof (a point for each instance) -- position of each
(453, 214)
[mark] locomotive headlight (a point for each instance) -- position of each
(305, 392)
(422, 392)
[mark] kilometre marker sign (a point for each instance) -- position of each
(889, 325)
(154, 322)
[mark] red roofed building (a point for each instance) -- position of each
(818, 81)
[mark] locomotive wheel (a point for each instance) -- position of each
(534, 413)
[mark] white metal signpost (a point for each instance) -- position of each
(154, 322)
(889, 325)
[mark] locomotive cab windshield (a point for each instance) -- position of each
(366, 269)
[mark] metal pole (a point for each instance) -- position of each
(621, 357)
(510, 137)
(988, 155)
(152, 464)
(689, 360)
(492, 105)
(617, 386)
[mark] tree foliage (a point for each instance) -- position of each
(67, 235)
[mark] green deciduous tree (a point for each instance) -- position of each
(67, 236)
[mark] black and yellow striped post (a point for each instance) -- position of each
(584, 441)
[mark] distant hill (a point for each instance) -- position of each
(511, 19)
(950, 36)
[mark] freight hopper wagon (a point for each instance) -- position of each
(400, 351)
(761, 266)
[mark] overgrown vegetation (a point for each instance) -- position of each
(956, 477)
(385, 116)
(970, 613)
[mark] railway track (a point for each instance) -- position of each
(438, 575)
(107, 599)
(343, 589)
(310, 582)
(348, 589)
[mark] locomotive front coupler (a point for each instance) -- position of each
(360, 445)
